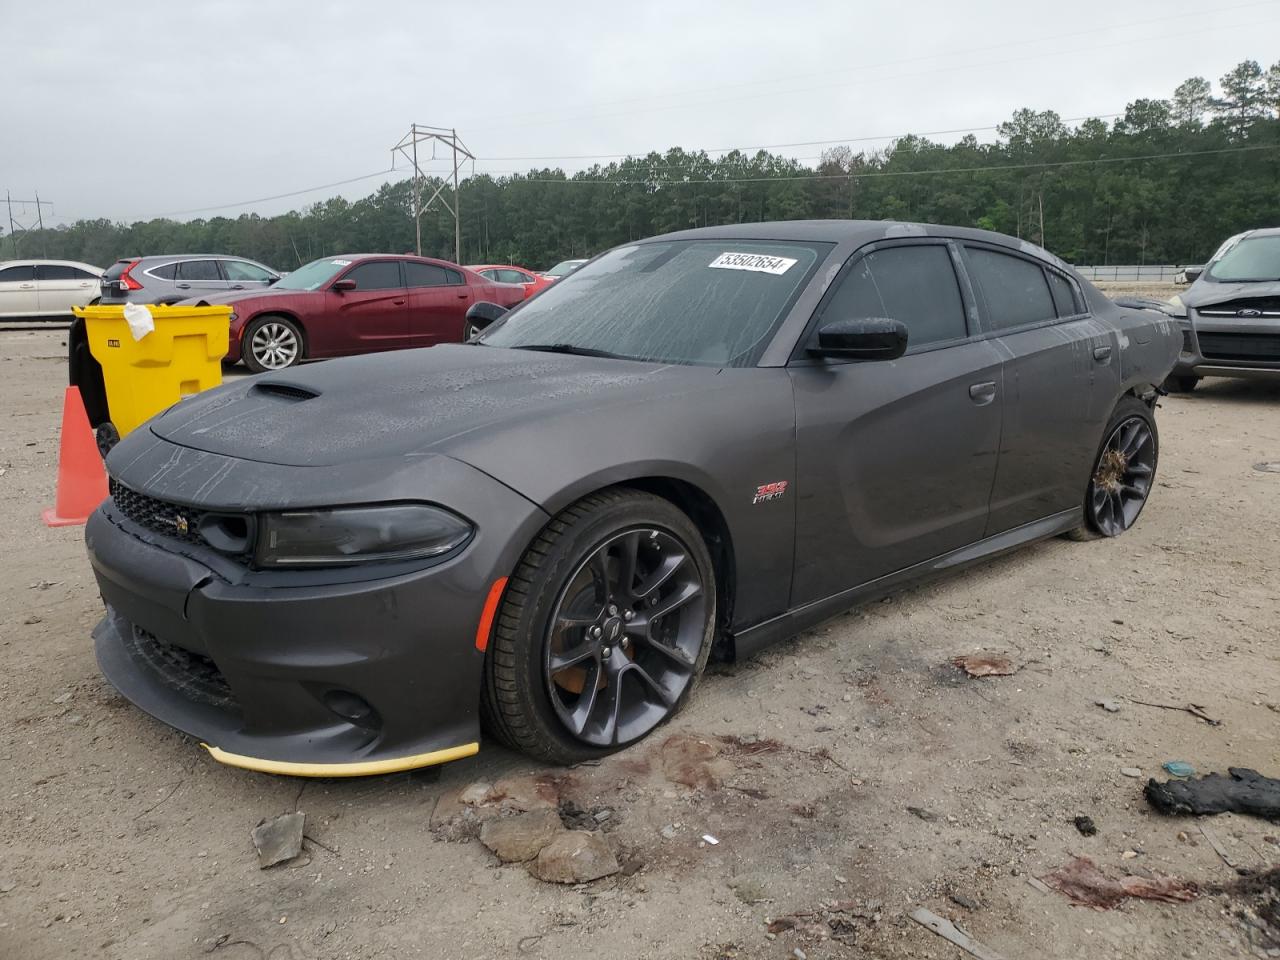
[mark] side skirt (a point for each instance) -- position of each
(747, 643)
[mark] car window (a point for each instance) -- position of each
(239, 270)
(1015, 290)
(1251, 259)
(489, 274)
(1063, 294)
(453, 276)
(709, 301)
(425, 274)
(513, 276)
(17, 274)
(166, 271)
(198, 270)
(59, 271)
(376, 275)
(914, 284)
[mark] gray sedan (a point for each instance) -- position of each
(696, 444)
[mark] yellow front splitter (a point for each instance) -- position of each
(366, 768)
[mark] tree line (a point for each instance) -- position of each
(1165, 182)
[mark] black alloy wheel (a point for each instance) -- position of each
(1123, 476)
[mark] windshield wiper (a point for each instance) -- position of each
(570, 349)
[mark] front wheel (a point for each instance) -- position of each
(1180, 384)
(604, 628)
(271, 343)
(1123, 472)
(471, 330)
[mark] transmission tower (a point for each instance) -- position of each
(18, 228)
(438, 137)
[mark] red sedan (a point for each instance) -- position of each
(349, 304)
(506, 273)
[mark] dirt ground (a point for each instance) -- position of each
(858, 775)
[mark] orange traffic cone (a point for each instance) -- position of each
(82, 481)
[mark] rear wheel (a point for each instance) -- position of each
(271, 343)
(604, 628)
(471, 330)
(1123, 472)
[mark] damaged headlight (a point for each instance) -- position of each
(344, 535)
(1174, 307)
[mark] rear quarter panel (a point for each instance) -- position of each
(1147, 341)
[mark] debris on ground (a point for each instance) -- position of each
(1086, 826)
(528, 792)
(839, 920)
(1220, 849)
(1084, 884)
(984, 665)
(928, 816)
(1110, 706)
(521, 837)
(278, 840)
(964, 900)
(694, 761)
(575, 856)
(1134, 772)
(1257, 908)
(1194, 709)
(949, 931)
(1178, 768)
(1242, 791)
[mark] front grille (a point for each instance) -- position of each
(159, 515)
(1240, 347)
(191, 674)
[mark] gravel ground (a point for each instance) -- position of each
(868, 777)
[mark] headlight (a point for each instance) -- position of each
(407, 531)
(1176, 307)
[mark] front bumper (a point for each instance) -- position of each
(1213, 347)
(280, 673)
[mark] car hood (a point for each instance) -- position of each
(411, 402)
(1204, 293)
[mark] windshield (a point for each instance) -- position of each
(1253, 258)
(713, 302)
(314, 275)
(564, 268)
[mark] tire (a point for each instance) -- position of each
(1180, 384)
(570, 593)
(1123, 475)
(471, 330)
(272, 342)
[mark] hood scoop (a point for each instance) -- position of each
(285, 391)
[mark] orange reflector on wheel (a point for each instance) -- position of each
(490, 609)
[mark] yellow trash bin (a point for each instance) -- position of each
(181, 356)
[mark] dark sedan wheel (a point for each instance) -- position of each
(1123, 473)
(271, 343)
(471, 330)
(604, 628)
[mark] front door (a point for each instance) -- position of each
(895, 459)
(375, 315)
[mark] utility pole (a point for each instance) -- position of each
(408, 148)
(17, 227)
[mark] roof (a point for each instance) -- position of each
(35, 261)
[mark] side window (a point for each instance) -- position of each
(490, 274)
(513, 276)
(78, 274)
(376, 275)
(166, 271)
(914, 284)
(1063, 295)
(239, 270)
(1015, 290)
(57, 271)
(198, 270)
(17, 274)
(452, 276)
(424, 274)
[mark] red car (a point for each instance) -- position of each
(362, 303)
(506, 273)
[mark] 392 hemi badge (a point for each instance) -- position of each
(769, 491)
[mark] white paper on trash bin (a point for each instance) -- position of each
(139, 319)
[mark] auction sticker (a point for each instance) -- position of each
(341, 263)
(755, 262)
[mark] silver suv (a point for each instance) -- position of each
(169, 279)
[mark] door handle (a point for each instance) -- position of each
(26, 286)
(1102, 354)
(982, 393)
(462, 296)
(183, 286)
(398, 303)
(237, 286)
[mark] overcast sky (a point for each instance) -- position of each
(168, 108)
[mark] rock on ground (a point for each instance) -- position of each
(575, 856)
(521, 837)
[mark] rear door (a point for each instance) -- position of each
(895, 459)
(1061, 376)
(18, 297)
(375, 315)
(196, 278)
(61, 286)
(242, 275)
(438, 302)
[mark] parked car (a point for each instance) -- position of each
(357, 303)
(45, 288)
(168, 279)
(505, 273)
(563, 269)
(712, 439)
(1230, 315)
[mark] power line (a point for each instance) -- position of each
(278, 196)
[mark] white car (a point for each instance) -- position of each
(45, 288)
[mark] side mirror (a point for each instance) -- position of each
(875, 338)
(482, 313)
(346, 283)
(1193, 273)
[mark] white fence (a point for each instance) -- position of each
(1150, 273)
